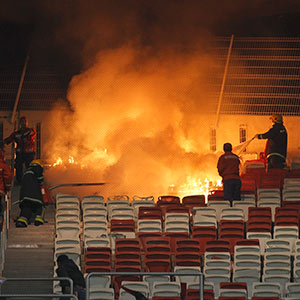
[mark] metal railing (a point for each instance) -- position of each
(38, 296)
(4, 230)
(128, 274)
(4, 296)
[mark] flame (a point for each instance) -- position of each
(70, 160)
(85, 161)
(195, 186)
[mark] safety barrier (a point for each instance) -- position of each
(93, 274)
(4, 230)
(38, 296)
(4, 280)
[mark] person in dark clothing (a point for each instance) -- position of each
(31, 198)
(228, 168)
(24, 138)
(276, 147)
(68, 268)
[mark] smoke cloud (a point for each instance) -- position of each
(139, 107)
(136, 120)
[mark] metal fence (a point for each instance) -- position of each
(262, 77)
(37, 296)
(4, 230)
(127, 274)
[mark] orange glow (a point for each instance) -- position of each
(195, 186)
(137, 124)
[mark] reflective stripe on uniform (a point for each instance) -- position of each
(32, 199)
(276, 154)
(40, 219)
(23, 220)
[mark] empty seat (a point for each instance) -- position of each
(188, 269)
(266, 289)
(194, 200)
(169, 289)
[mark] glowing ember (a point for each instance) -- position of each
(195, 186)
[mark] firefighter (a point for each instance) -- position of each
(276, 146)
(229, 169)
(25, 149)
(31, 198)
(5, 180)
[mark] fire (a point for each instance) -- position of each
(195, 186)
(64, 162)
(88, 160)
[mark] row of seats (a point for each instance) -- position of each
(136, 223)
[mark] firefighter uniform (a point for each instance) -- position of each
(228, 168)
(25, 151)
(5, 179)
(31, 198)
(276, 147)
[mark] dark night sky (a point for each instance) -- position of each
(78, 29)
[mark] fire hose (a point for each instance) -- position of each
(241, 147)
(67, 184)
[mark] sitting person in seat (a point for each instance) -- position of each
(68, 268)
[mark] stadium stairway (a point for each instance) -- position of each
(29, 254)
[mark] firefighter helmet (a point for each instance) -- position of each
(36, 162)
(276, 118)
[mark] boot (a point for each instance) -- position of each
(38, 223)
(21, 224)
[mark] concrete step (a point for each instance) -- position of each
(29, 255)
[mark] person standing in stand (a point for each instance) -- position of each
(25, 150)
(229, 169)
(276, 147)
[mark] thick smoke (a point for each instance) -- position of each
(137, 120)
(139, 107)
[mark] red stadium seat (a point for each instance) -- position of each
(265, 298)
(117, 225)
(259, 212)
(176, 209)
(188, 259)
(187, 242)
(146, 212)
(247, 242)
(132, 241)
(165, 298)
(270, 181)
(248, 185)
(194, 201)
(231, 298)
(168, 200)
(177, 234)
(217, 246)
(157, 262)
(216, 195)
(233, 285)
(204, 233)
(286, 221)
